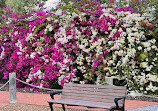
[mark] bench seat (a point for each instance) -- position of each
(84, 103)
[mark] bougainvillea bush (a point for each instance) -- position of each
(79, 42)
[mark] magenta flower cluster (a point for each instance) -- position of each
(49, 48)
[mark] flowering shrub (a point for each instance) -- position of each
(79, 44)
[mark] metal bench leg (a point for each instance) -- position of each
(113, 109)
(122, 109)
(63, 107)
(51, 106)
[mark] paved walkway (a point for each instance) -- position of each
(147, 108)
(41, 99)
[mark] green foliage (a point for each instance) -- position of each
(15, 5)
(142, 57)
(20, 5)
(142, 5)
(2, 4)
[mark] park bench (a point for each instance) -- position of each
(92, 96)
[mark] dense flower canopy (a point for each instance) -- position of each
(79, 44)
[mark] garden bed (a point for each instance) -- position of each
(142, 98)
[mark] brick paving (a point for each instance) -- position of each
(41, 99)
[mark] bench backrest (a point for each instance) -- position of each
(96, 93)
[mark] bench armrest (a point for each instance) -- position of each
(54, 93)
(116, 101)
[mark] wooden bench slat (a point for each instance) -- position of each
(92, 94)
(83, 103)
(122, 88)
(91, 90)
(104, 99)
(94, 86)
(106, 96)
